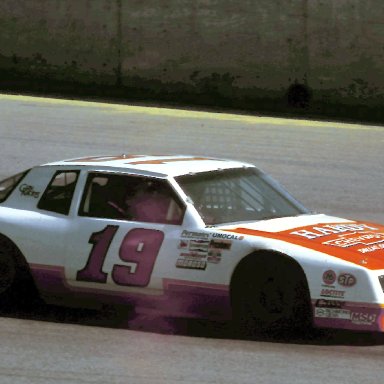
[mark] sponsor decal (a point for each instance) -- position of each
(333, 313)
(220, 244)
(194, 248)
(198, 245)
(335, 309)
(373, 248)
(28, 190)
(194, 235)
(324, 303)
(214, 257)
(329, 277)
(346, 280)
(183, 244)
(191, 264)
(194, 255)
(326, 292)
(331, 229)
(227, 236)
(363, 318)
(351, 240)
(314, 237)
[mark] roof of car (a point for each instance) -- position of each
(170, 165)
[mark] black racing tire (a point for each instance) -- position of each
(8, 269)
(270, 297)
(16, 284)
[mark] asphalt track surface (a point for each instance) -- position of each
(331, 167)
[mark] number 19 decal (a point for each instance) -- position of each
(138, 250)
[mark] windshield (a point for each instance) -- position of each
(235, 195)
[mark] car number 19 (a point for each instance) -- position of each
(139, 250)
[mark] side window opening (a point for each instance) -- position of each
(131, 198)
(58, 195)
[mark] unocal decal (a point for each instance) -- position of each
(227, 236)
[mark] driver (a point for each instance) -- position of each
(150, 203)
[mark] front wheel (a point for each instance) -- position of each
(270, 297)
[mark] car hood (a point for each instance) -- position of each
(358, 242)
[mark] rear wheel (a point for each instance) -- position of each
(16, 285)
(8, 270)
(270, 297)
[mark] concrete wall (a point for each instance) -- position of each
(316, 54)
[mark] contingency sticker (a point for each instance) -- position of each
(193, 248)
(199, 246)
(191, 264)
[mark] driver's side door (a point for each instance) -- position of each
(122, 229)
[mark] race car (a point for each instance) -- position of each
(187, 236)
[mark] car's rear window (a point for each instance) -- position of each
(9, 184)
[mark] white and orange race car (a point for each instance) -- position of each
(187, 236)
